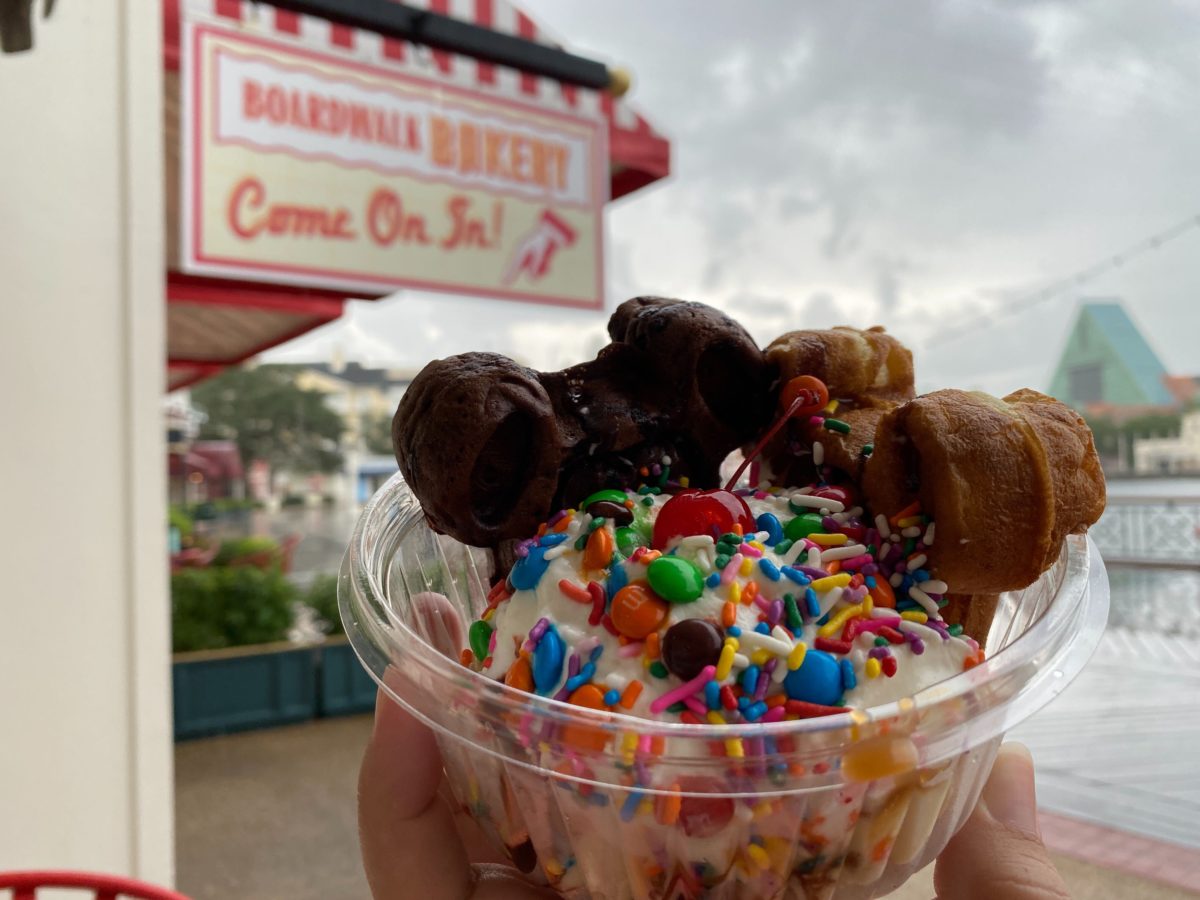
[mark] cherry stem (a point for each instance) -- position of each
(803, 398)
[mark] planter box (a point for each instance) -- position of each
(218, 691)
(344, 685)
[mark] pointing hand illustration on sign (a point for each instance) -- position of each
(536, 250)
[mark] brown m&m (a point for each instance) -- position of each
(690, 645)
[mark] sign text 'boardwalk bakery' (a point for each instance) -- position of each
(304, 167)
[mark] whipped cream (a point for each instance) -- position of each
(784, 637)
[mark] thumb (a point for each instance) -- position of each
(998, 854)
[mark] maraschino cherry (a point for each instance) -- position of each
(712, 512)
(716, 512)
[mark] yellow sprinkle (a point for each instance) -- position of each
(760, 657)
(735, 592)
(759, 855)
(757, 545)
(829, 582)
(714, 717)
(763, 808)
(868, 604)
(684, 481)
(834, 625)
(915, 615)
(873, 668)
(830, 407)
(553, 869)
(629, 741)
(746, 567)
(909, 522)
(487, 613)
(828, 540)
(796, 658)
(733, 748)
(725, 663)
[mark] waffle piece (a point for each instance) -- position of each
(1005, 481)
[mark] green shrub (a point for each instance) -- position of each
(177, 518)
(322, 597)
(293, 500)
(228, 607)
(244, 546)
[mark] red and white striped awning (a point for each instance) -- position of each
(638, 154)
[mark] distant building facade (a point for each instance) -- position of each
(1107, 366)
(363, 397)
(1170, 456)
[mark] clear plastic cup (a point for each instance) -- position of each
(604, 805)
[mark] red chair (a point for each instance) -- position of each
(25, 885)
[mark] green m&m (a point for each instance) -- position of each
(480, 635)
(675, 580)
(804, 525)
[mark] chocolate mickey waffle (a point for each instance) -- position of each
(491, 448)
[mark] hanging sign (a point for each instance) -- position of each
(305, 167)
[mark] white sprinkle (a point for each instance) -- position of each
(756, 641)
(925, 600)
(924, 632)
(928, 539)
(804, 490)
(846, 552)
(556, 552)
(858, 658)
(911, 531)
(830, 599)
(761, 536)
(933, 586)
(740, 660)
(818, 503)
(697, 540)
(881, 524)
(895, 580)
(917, 561)
(704, 559)
(793, 553)
(881, 612)
(884, 549)
(894, 538)
(818, 453)
(666, 460)
(616, 681)
(963, 540)
(780, 633)
(779, 673)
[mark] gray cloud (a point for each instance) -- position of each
(920, 164)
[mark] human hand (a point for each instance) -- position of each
(412, 843)
(998, 854)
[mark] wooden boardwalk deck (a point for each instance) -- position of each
(1121, 746)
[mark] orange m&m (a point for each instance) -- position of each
(813, 391)
(585, 736)
(636, 611)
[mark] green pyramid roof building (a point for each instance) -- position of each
(1107, 361)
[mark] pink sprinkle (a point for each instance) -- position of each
(761, 495)
(633, 648)
(644, 744)
(774, 714)
(492, 642)
(875, 624)
(731, 569)
(815, 420)
(695, 705)
(762, 603)
(749, 551)
(684, 690)
(856, 562)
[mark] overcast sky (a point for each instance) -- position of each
(916, 164)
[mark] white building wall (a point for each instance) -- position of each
(85, 722)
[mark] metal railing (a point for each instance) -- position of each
(1158, 531)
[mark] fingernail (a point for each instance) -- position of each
(1009, 793)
